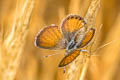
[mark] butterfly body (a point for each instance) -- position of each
(72, 36)
(75, 41)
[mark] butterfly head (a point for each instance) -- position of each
(72, 35)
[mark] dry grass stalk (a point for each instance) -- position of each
(84, 70)
(111, 57)
(92, 12)
(78, 71)
(106, 67)
(13, 45)
(74, 6)
(61, 13)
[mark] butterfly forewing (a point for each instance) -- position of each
(71, 25)
(69, 58)
(87, 38)
(73, 35)
(50, 38)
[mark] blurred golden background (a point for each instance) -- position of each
(32, 64)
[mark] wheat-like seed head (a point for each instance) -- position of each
(13, 45)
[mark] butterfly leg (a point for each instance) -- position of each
(85, 51)
(64, 69)
(85, 55)
(51, 55)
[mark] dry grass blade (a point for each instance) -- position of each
(78, 71)
(13, 46)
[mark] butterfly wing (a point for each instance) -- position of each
(87, 38)
(69, 58)
(50, 38)
(71, 25)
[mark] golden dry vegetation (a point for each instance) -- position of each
(21, 20)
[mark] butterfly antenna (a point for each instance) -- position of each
(104, 45)
(51, 55)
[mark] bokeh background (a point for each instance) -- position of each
(33, 66)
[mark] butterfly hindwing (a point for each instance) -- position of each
(88, 37)
(50, 38)
(73, 35)
(71, 25)
(69, 58)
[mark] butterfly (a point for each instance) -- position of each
(72, 35)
